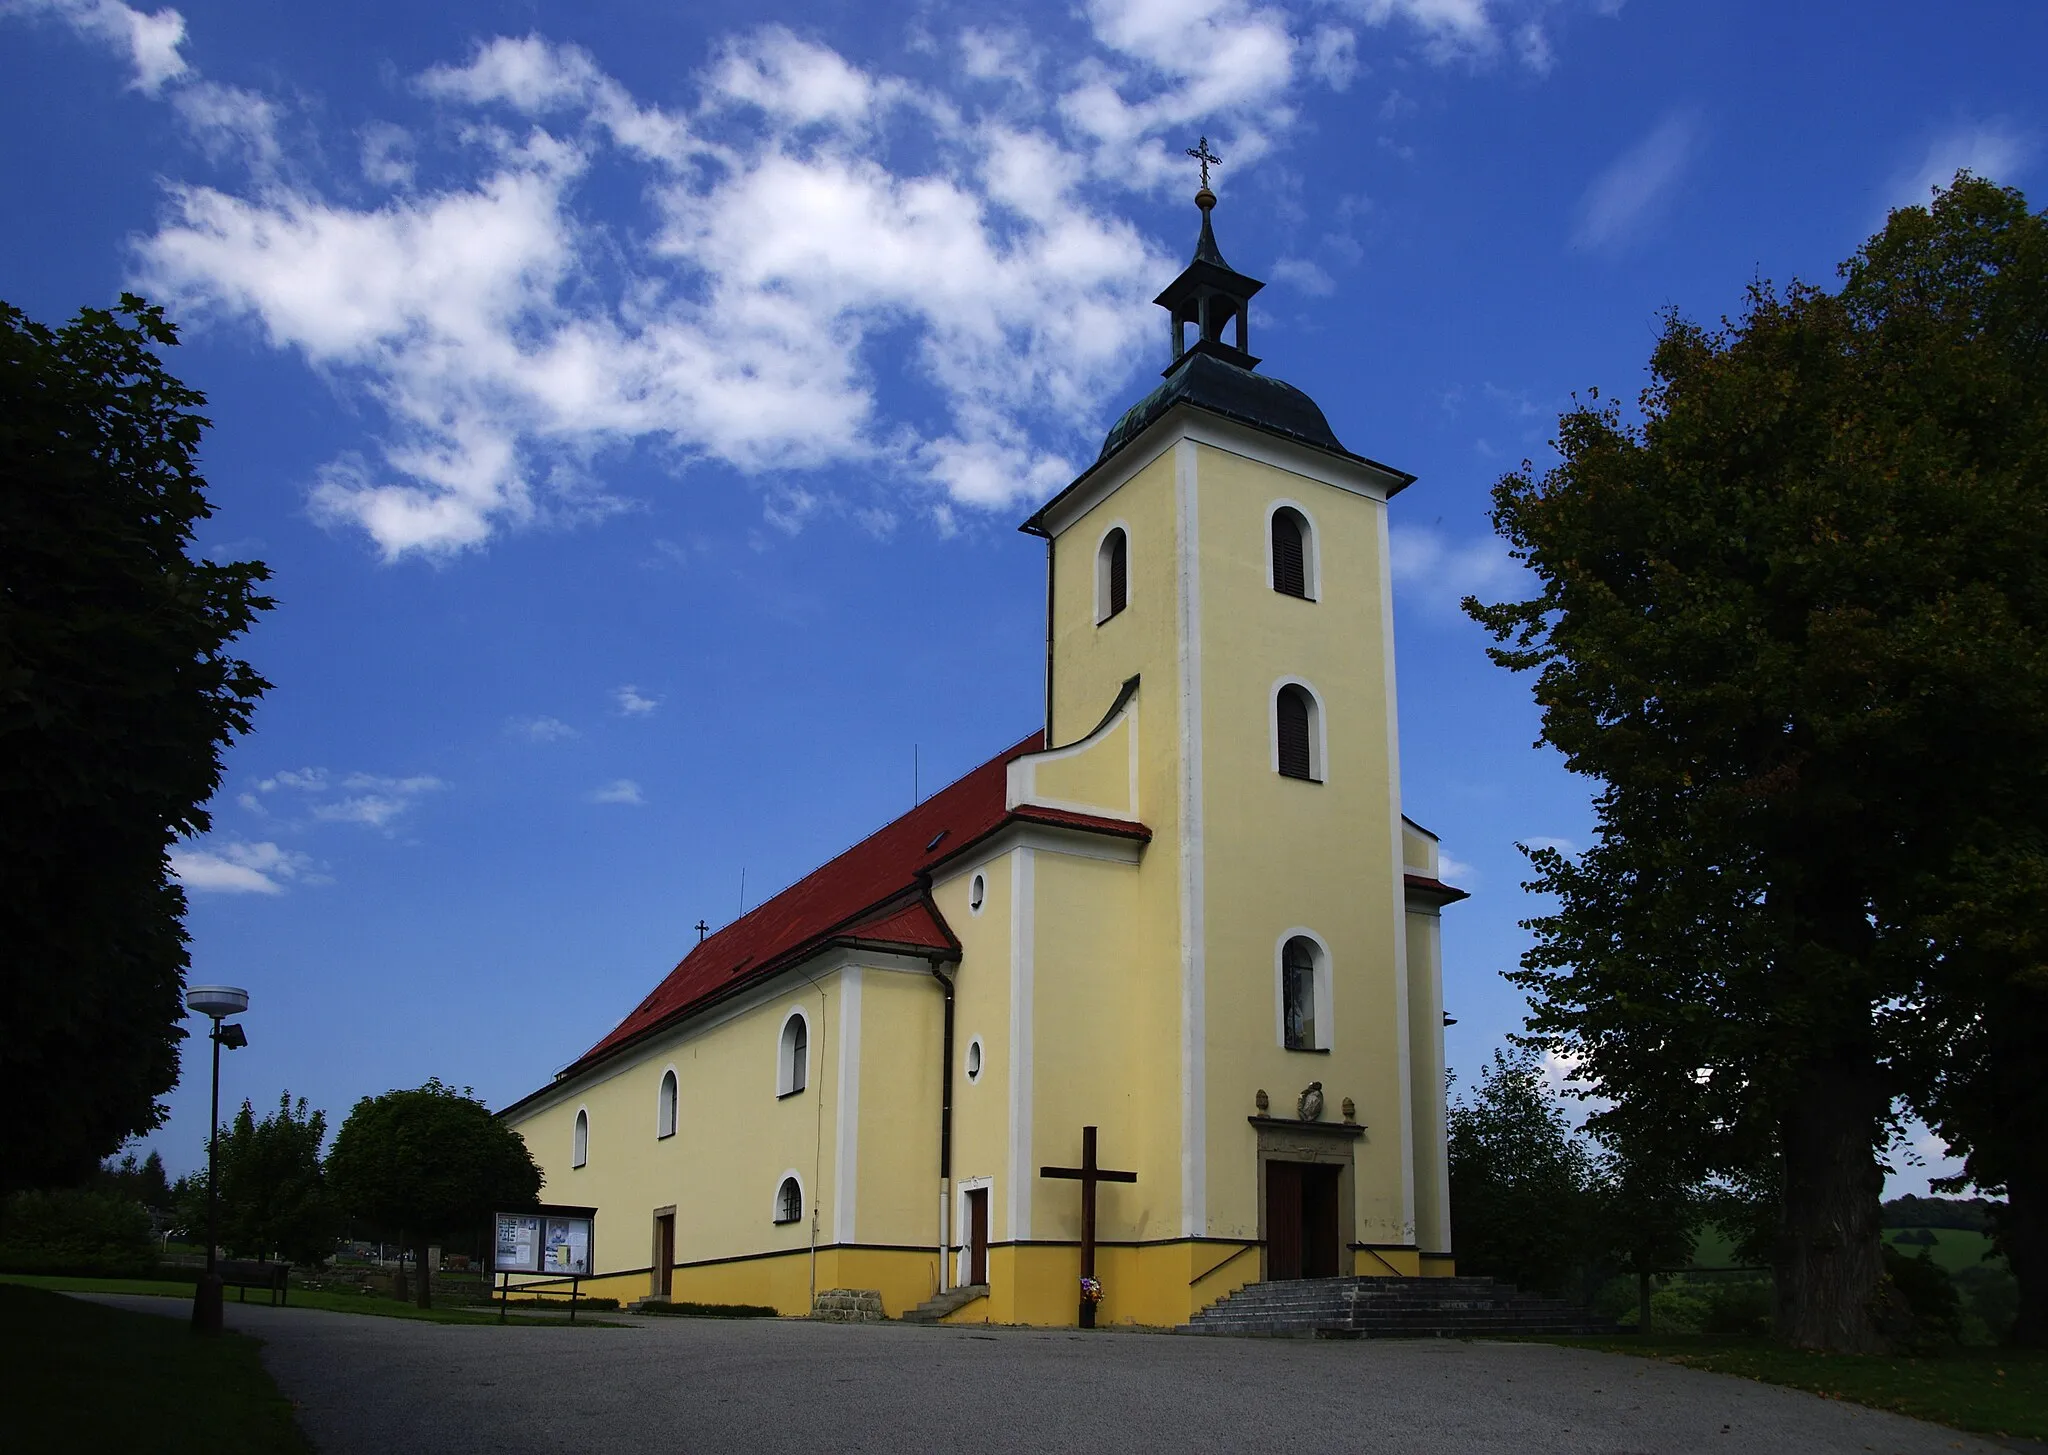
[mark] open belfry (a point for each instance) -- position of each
(1153, 997)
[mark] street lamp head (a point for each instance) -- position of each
(217, 1000)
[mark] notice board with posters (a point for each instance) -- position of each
(550, 1241)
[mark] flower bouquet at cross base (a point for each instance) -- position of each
(1091, 1290)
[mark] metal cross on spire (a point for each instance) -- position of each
(1201, 153)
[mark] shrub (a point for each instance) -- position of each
(710, 1310)
(1933, 1312)
(76, 1230)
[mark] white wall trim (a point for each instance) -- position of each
(782, 1081)
(1102, 613)
(1325, 988)
(677, 1126)
(1397, 888)
(1023, 946)
(1194, 1086)
(1185, 422)
(775, 1199)
(961, 1187)
(1020, 785)
(1319, 731)
(846, 1152)
(1313, 556)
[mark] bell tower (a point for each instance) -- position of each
(1219, 596)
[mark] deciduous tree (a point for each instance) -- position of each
(1780, 617)
(429, 1162)
(117, 694)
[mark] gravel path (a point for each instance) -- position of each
(374, 1386)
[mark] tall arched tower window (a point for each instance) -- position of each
(1297, 733)
(1112, 574)
(579, 1140)
(665, 1106)
(794, 1062)
(1298, 994)
(1294, 555)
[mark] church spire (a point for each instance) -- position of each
(1209, 293)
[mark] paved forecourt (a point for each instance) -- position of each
(378, 1386)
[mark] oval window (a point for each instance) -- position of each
(976, 893)
(974, 1059)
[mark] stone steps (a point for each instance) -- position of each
(951, 1301)
(1389, 1308)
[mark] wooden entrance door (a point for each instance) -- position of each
(1302, 1232)
(664, 1254)
(977, 1235)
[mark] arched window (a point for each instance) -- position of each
(1298, 994)
(579, 1141)
(976, 893)
(1294, 556)
(1297, 734)
(789, 1202)
(1112, 574)
(665, 1106)
(794, 1068)
(974, 1059)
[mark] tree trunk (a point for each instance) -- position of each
(1832, 1292)
(2023, 1233)
(1642, 1303)
(426, 1277)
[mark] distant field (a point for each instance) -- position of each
(1954, 1248)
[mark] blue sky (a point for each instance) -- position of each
(636, 403)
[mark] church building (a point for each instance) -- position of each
(1186, 913)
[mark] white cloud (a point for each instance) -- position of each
(1627, 195)
(1455, 871)
(1563, 846)
(1993, 151)
(619, 790)
(234, 867)
(370, 799)
(540, 729)
(635, 703)
(1302, 274)
(1439, 573)
(150, 43)
(504, 337)
(1333, 56)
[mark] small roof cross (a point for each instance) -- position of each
(702, 930)
(1201, 153)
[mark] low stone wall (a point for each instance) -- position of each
(848, 1306)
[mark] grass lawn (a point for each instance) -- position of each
(1989, 1391)
(85, 1377)
(347, 1303)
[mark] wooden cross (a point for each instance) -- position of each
(1201, 153)
(1087, 1174)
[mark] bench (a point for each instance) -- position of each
(247, 1273)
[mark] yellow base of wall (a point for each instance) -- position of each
(1156, 1286)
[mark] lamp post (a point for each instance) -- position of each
(217, 1002)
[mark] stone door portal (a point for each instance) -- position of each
(1303, 1228)
(977, 1235)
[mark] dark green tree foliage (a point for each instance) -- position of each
(77, 1230)
(273, 1191)
(422, 1164)
(1778, 621)
(1955, 297)
(1971, 1214)
(1522, 1185)
(116, 697)
(145, 1182)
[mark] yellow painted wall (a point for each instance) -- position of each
(1282, 853)
(733, 1143)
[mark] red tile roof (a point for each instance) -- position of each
(873, 894)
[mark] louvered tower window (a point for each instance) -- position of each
(793, 1070)
(579, 1141)
(665, 1107)
(1112, 575)
(1290, 553)
(1294, 714)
